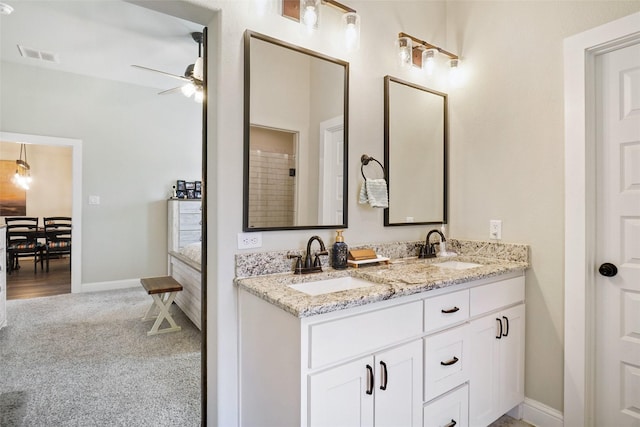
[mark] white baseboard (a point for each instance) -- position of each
(109, 286)
(541, 415)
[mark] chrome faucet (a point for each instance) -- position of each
(308, 266)
(428, 250)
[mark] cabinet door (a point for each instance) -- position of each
(340, 396)
(512, 358)
(398, 400)
(484, 377)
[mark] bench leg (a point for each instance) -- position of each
(162, 302)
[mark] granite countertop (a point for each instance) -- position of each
(397, 279)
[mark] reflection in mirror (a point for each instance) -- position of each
(296, 104)
(415, 141)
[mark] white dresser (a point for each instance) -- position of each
(3, 277)
(185, 223)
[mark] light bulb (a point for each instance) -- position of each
(429, 61)
(310, 14)
(455, 76)
(199, 96)
(198, 69)
(188, 89)
(351, 30)
(405, 51)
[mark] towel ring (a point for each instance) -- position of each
(364, 159)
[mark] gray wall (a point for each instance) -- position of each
(135, 145)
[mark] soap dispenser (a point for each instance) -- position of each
(340, 249)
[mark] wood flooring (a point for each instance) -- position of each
(24, 283)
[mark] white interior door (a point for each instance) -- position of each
(617, 293)
(330, 197)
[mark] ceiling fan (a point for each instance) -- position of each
(193, 75)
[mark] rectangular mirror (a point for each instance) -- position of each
(295, 137)
(415, 153)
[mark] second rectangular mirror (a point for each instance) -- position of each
(415, 141)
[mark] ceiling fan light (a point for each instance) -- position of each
(199, 95)
(198, 69)
(188, 89)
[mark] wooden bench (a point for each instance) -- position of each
(163, 290)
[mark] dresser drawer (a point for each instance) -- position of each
(494, 296)
(446, 361)
(190, 221)
(446, 310)
(190, 207)
(450, 409)
(340, 339)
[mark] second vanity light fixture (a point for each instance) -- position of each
(419, 53)
(308, 11)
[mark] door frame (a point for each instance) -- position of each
(76, 193)
(580, 210)
(327, 129)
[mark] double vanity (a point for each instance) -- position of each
(417, 342)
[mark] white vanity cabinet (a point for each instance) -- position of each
(497, 345)
(3, 277)
(381, 390)
(419, 360)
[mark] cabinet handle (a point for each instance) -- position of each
(383, 376)
(451, 424)
(451, 310)
(369, 380)
(499, 333)
(507, 322)
(450, 362)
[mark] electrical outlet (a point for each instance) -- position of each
(249, 240)
(94, 200)
(495, 229)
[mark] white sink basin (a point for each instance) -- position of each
(457, 265)
(328, 286)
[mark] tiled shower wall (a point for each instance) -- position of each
(272, 190)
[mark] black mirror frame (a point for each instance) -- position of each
(387, 80)
(248, 35)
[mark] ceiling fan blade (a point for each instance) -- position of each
(175, 76)
(168, 91)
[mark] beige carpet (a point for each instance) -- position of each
(86, 360)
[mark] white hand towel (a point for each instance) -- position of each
(374, 192)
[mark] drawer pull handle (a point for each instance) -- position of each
(499, 336)
(507, 322)
(451, 310)
(450, 362)
(383, 378)
(369, 380)
(451, 424)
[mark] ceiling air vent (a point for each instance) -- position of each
(28, 52)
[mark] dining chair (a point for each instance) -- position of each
(22, 241)
(57, 230)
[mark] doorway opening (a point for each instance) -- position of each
(63, 153)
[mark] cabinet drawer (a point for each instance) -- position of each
(494, 296)
(339, 339)
(446, 310)
(446, 361)
(451, 408)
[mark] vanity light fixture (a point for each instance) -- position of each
(307, 12)
(423, 53)
(5, 9)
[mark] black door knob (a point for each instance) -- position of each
(607, 269)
